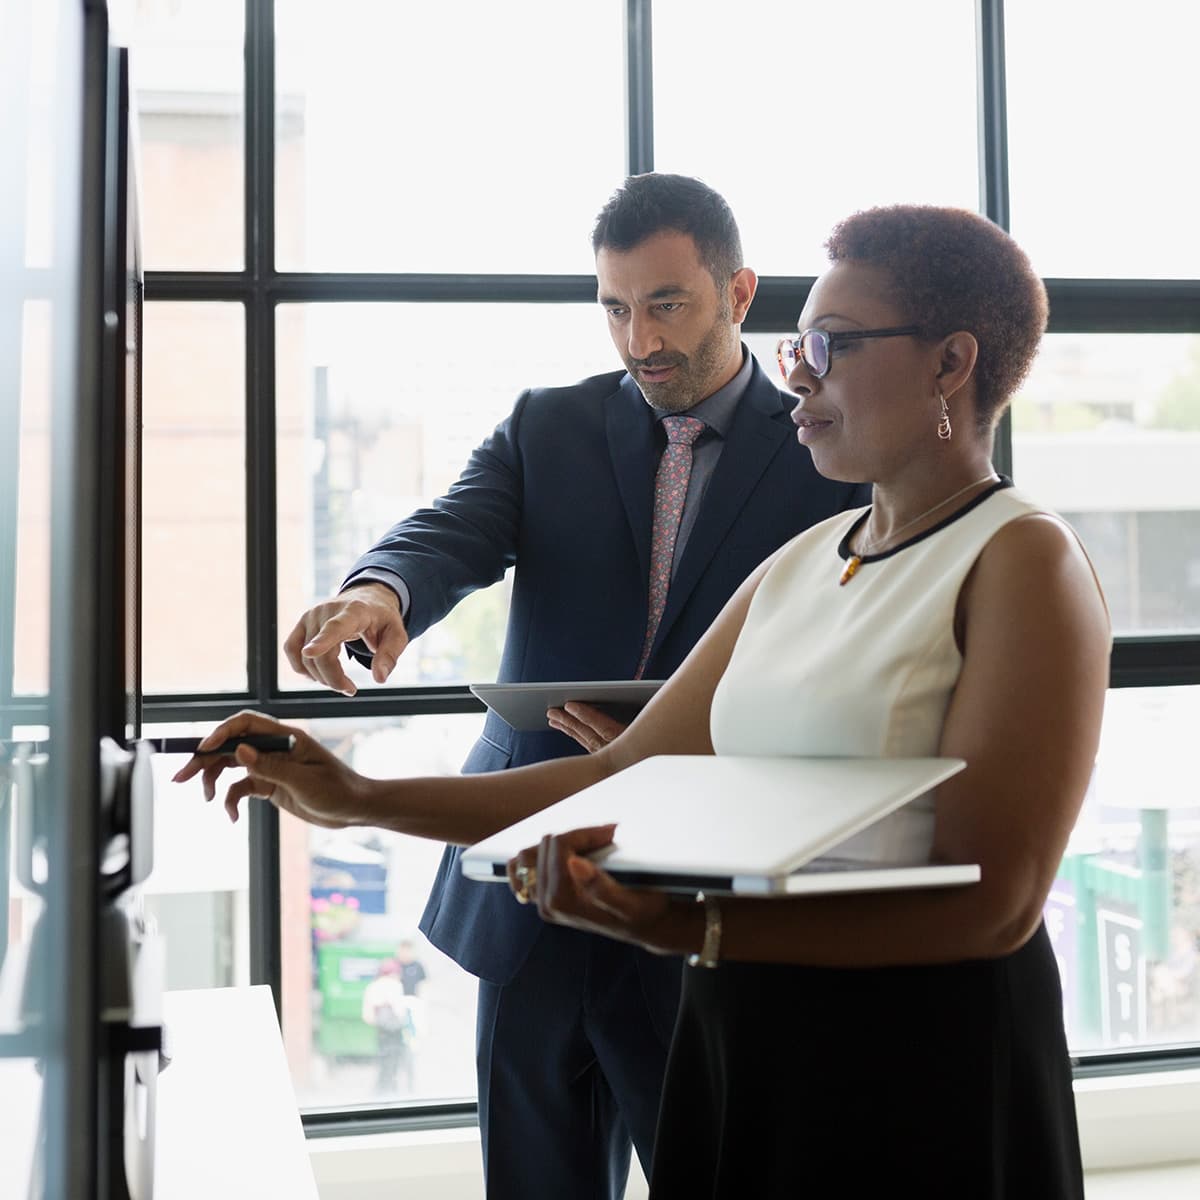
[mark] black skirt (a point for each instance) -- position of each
(947, 1081)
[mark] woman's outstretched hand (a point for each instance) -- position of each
(570, 889)
(306, 781)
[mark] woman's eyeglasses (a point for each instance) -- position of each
(815, 347)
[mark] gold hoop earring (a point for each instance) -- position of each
(943, 428)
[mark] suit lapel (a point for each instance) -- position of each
(754, 438)
(630, 428)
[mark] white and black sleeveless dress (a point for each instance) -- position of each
(935, 1081)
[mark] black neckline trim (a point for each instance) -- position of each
(845, 552)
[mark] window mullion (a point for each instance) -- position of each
(992, 111)
(993, 156)
(261, 572)
(639, 87)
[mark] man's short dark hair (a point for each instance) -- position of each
(652, 203)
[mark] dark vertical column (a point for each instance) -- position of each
(69, 927)
(639, 85)
(262, 633)
(993, 154)
(992, 111)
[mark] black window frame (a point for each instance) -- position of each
(1076, 306)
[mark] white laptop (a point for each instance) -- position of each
(739, 825)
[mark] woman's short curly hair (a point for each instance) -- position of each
(952, 269)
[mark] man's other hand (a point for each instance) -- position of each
(590, 727)
(369, 613)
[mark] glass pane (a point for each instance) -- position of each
(194, 499)
(198, 893)
(762, 346)
(362, 442)
(1092, 89)
(351, 900)
(1106, 430)
(832, 109)
(1124, 913)
(187, 61)
(31, 644)
(40, 327)
(426, 137)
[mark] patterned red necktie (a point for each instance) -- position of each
(670, 491)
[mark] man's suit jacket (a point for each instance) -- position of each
(564, 489)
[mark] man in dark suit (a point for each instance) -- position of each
(573, 1029)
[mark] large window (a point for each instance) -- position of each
(194, 535)
(190, 77)
(1107, 430)
(351, 901)
(813, 111)
(444, 137)
(378, 408)
(1124, 912)
(370, 230)
(1087, 85)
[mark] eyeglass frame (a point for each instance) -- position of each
(832, 339)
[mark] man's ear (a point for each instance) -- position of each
(957, 355)
(742, 286)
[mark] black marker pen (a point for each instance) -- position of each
(269, 743)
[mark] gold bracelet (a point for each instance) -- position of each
(710, 950)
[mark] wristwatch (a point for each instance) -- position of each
(710, 950)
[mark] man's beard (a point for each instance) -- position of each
(694, 373)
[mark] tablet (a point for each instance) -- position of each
(523, 705)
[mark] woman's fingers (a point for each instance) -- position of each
(582, 841)
(239, 725)
(560, 893)
(604, 891)
(533, 874)
(211, 772)
(249, 786)
(306, 780)
(569, 888)
(522, 876)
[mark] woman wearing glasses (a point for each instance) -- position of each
(881, 1042)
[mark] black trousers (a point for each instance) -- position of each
(571, 1056)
